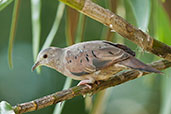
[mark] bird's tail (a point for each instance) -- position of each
(138, 65)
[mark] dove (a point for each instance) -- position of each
(91, 61)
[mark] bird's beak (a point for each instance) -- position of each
(35, 65)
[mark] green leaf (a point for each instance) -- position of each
(163, 0)
(4, 3)
(166, 93)
(141, 10)
(80, 28)
(163, 25)
(6, 108)
(59, 106)
(36, 27)
(71, 20)
(59, 14)
(164, 34)
(12, 31)
(74, 4)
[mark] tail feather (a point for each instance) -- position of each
(138, 65)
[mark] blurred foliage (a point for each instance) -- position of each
(146, 95)
(36, 27)
(12, 31)
(4, 3)
(142, 11)
(6, 108)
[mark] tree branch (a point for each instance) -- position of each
(82, 90)
(121, 26)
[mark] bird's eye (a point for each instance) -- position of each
(45, 56)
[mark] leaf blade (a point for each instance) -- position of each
(59, 107)
(80, 28)
(141, 10)
(54, 29)
(12, 32)
(4, 4)
(36, 27)
(6, 108)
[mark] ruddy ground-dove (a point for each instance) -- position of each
(91, 61)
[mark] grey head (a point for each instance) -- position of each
(48, 57)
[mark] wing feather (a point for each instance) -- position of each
(91, 60)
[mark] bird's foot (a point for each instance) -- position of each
(140, 74)
(86, 82)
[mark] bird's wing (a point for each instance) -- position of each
(92, 60)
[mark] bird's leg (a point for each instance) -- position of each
(86, 82)
(140, 74)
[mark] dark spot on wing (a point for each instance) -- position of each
(110, 52)
(70, 61)
(81, 61)
(87, 55)
(87, 59)
(80, 73)
(123, 47)
(93, 54)
(99, 63)
(75, 57)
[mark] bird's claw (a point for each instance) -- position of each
(86, 83)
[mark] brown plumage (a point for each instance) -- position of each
(91, 61)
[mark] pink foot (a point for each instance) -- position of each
(86, 82)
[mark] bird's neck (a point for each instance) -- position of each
(57, 62)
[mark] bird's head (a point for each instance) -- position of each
(48, 57)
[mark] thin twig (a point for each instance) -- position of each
(121, 26)
(82, 90)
